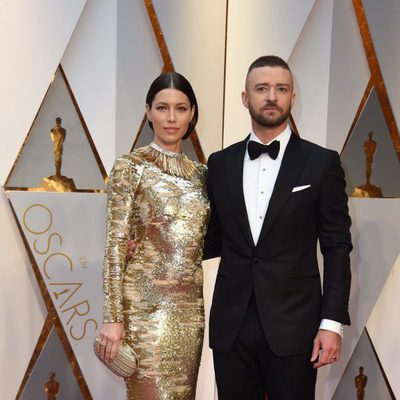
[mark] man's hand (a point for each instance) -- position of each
(326, 349)
(131, 249)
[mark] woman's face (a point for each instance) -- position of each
(170, 114)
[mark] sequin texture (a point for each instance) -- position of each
(159, 199)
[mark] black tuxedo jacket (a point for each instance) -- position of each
(282, 268)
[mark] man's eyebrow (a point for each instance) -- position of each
(268, 84)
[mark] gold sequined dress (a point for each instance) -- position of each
(159, 199)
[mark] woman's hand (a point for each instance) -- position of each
(111, 335)
(131, 249)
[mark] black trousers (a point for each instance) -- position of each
(250, 369)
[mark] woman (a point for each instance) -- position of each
(157, 196)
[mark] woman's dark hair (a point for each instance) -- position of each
(176, 81)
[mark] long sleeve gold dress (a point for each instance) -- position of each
(158, 198)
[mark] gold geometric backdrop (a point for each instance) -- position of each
(56, 186)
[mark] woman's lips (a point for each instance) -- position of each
(171, 130)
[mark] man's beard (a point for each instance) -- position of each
(269, 121)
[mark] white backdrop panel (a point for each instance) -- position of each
(89, 63)
(22, 309)
(66, 233)
(195, 36)
(363, 356)
(376, 238)
(138, 63)
(36, 160)
(52, 358)
(383, 21)
(206, 388)
(310, 62)
(30, 48)
(256, 28)
(383, 327)
(349, 74)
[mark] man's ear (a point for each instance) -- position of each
(245, 99)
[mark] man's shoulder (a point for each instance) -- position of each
(232, 149)
(316, 149)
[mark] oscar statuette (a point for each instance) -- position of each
(52, 387)
(368, 190)
(58, 182)
(360, 381)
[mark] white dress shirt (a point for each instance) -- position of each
(259, 178)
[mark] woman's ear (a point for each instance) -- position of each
(192, 113)
(148, 112)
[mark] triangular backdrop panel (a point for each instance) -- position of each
(36, 159)
(35, 35)
(66, 234)
(139, 62)
(375, 236)
(348, 76)
(375, 387)
(207, 22)
(248, 20)
(383, 22)
(20, 314)
(310, 111)
(385, 167)
(52, 359)
(383, 327)
(193, 149)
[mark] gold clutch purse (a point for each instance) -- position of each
(125, 362)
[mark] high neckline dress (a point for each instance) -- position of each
(158, 198)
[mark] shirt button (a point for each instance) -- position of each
(262, 192)
(263, 169)
(261, 217)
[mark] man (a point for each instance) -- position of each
(271, 327)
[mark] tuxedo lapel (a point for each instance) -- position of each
(234, 174)
(291, 167)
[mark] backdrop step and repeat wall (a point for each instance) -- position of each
(73, 80)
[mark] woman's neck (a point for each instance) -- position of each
(173, 147)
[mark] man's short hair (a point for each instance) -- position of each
(269, 61)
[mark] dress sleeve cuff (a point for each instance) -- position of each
(331, 325)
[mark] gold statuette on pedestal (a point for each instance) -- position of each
(368, 190)
(52, 387)
(360, 381)
(58, 182)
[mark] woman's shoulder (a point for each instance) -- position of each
(135, 157)
(201, 170)
(129, 163)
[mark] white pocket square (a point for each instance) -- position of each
(298, 188)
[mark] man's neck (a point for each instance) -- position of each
(265, 134)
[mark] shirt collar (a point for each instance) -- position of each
(283, 138)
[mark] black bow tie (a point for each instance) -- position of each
(255, 149)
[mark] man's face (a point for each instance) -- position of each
(269, 96)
